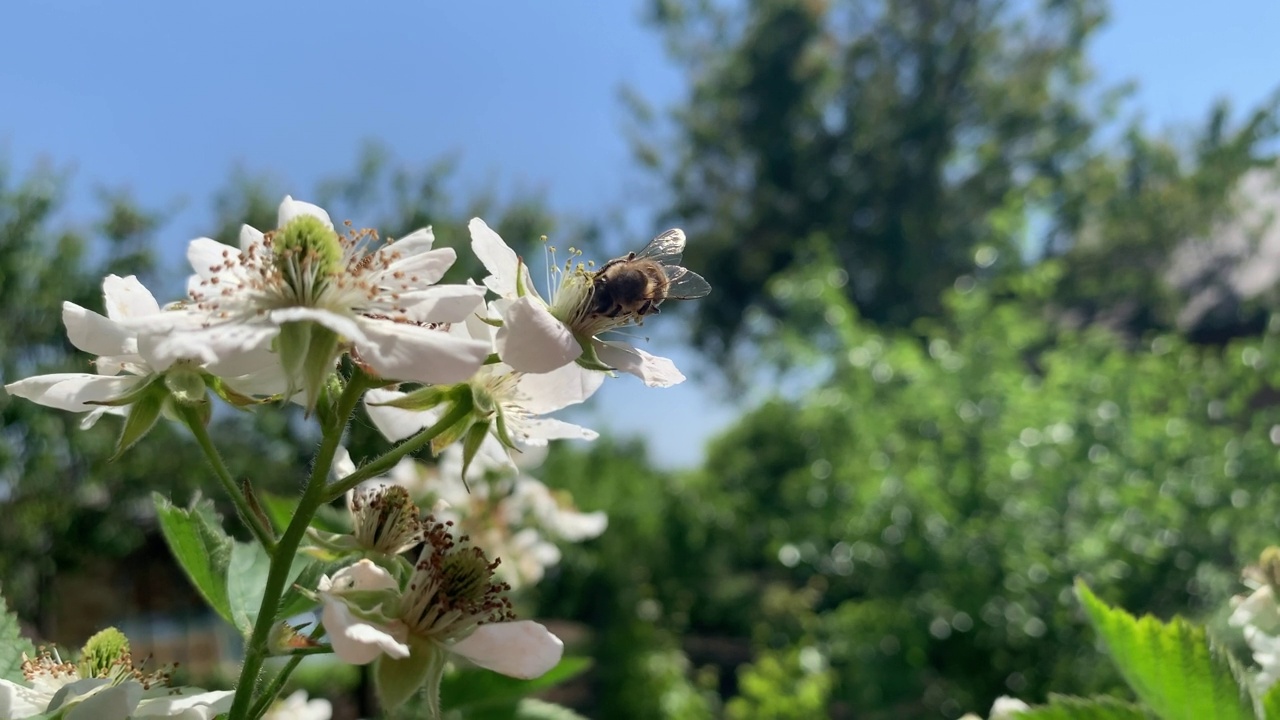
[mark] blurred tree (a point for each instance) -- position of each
(882, 135)
(889, 129)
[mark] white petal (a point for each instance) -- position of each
(291, 209)
(537, 431)
(72, 391)
(1006, 708)
(347, 326)
(102, 701)
(343, 465)
(250, 236)
(394, 423)
(356, 641)
(414, 270)
(420, 240)
(219, 343)
(522, 649)
(653, 370)
(443, 303)
(187, 703)
(401, 351)
(126, 297)
(496, 256)
(96, 334)
(568, 385)
(533, 340)
(209, 257)
(576, 527)
(20, 701)
(362, 575)
(267, 381)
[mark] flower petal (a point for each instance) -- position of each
(96, 334)
(291, 209)
(402, 351)
(347, 326)
(653, 370)
(187, 703)
(357, 641)
(443, 303)
(560, 388)
(522, 649)
(73, 391)
(219, 343)
(496, 256)
(209, 258)
(537, 431)
(359, 576)
(533, 340)
(126, 297)
(394, 423)
(250, 236)
(414, 269)
(20, 701)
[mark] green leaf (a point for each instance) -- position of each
(12, 646)
(472, 690)
(1172, 667)
(1271, 703)
(308, 576)
(1063, 707)
(280, 509)
(201, 547)
(247, 580)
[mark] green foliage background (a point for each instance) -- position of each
(919, 233)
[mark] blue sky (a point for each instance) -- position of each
(166, 98)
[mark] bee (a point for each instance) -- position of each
(635, 284)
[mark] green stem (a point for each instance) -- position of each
(385, 462)
(281, 560)
(251, 520)
(273, 688)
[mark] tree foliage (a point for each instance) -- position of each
(882, 135)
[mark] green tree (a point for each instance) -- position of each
(889, 130)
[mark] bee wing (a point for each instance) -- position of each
(666, 249)
(685, 284)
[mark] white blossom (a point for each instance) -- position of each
(298, 707)
(538, 336)
(358, 633)
(383, 303)
(125, 343)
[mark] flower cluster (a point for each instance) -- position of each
(1258, 616)
(449, 605)
(103, 684)
(495, 502)
(273, 317)
(325, 317)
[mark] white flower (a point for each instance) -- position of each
(1007, 708)
(537, 336)
(185, 703)
(55, 686)
(384, 303)
(530, 497)
(1258, 610)
(357, 631)
(298, 707)
(521, 400)
(127, 357)
(453, 602)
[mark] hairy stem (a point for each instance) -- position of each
(281, 560)
(260, 531)
(385, 462)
